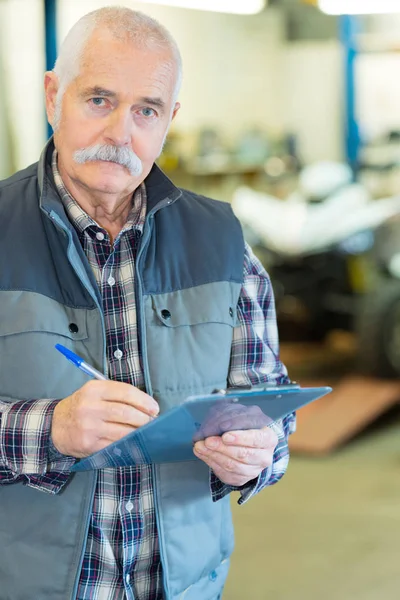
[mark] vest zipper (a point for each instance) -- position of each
(149, 389)
(139, 289)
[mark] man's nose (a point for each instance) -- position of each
(119, 128)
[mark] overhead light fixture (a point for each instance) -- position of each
(238, 7)
(359, 7)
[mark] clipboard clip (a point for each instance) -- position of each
(232, 391)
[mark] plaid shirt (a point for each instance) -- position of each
(122, 558)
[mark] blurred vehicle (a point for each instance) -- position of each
(333, 255)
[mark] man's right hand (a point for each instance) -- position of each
(99, 413)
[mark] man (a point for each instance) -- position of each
(154, 286)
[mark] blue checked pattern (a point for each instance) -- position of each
(122, 557)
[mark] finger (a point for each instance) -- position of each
(226, 462)
(252, 438)
(228, 478)
(116, 391)
(257, 457)
(229, 471)
(246, 420)
(112, 432)
(212, 423)
(124, 414)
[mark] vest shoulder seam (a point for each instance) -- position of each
(157, 293)
(78, 306)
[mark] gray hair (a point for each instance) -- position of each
(124, 24)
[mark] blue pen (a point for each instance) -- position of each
(80, 363)
(85, 367)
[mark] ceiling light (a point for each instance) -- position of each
(359, 7)
(239, 7)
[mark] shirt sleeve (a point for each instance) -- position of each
(26, 453)
(255, 360)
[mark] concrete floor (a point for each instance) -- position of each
(329, 530)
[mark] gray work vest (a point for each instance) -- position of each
(189, 263)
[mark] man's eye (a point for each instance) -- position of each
(148, 112)
(97, 101)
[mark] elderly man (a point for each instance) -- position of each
(154, 286)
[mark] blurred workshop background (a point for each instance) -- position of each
(291, 112)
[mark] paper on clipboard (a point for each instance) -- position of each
(170, 437)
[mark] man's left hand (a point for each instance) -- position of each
(237, 457)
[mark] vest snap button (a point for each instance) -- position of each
(231, 311)
(166, 315)
(73, 327)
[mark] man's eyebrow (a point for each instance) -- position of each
(158, 102)
(98, 91)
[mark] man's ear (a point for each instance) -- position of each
(51, 88)
(176, 108)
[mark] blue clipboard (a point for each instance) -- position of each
(170, 437)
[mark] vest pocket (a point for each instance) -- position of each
(30, 326)
(189, 308)
(189, 337)
(29, 312)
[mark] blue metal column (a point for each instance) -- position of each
(50, 15)
(349, 28)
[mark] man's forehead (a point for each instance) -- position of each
(109, 72)
(104, 47)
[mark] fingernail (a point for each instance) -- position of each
(228, 437)
(200, 449)
(210, 443)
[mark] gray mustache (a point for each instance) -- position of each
(120, 155)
